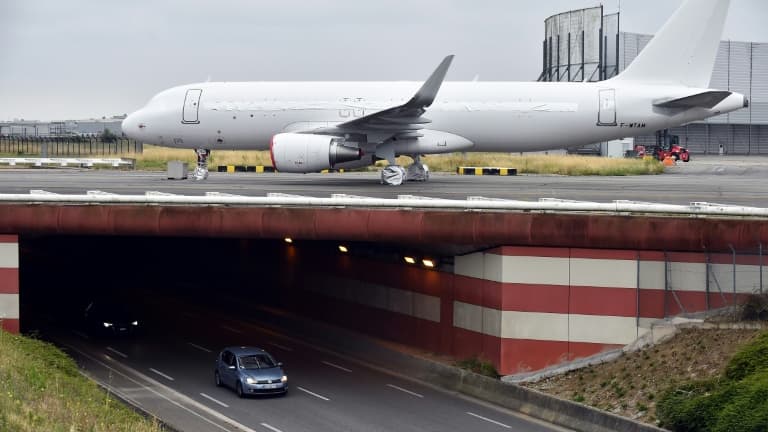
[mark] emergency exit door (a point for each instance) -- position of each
(607, 111)
(191, 106)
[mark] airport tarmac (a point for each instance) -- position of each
(724, 180)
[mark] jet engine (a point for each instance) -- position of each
(303, 153)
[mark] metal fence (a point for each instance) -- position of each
(698, 282)
(67, 146)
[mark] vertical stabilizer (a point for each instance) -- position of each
(684, 50)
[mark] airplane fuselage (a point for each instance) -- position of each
(492, 116)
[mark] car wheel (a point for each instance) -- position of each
(239, 389)
(217, 379)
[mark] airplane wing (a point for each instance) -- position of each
(402, 121)
(707, 99)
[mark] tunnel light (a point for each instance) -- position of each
(288, 240)
(343, 249)
(410, 260)
(428, 263)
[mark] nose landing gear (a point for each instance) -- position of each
(201, 171)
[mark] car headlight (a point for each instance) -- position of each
(250, 380)
(107, 325)
(284, 379)
(135, 323)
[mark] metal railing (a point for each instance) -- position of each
(67, 146)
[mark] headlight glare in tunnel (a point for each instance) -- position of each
(107, 325)
(135, 323)
(250, 380)
(284, 379)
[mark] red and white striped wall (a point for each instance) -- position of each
(527, 308)
(521, 308)
(9, 283)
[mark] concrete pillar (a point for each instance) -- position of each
(9, 283)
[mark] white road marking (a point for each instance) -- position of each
(169, 378)
(272, 428)
(201, 348)
(489, 420)
(233, 330)
(214, 400)
(282, 347)
(313, 393)
(405, 391)
(327, 363)
(81, 334)
(117, 352)
(208, 410)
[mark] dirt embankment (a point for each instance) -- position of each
(631, 385)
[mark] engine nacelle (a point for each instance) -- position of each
(303, 153)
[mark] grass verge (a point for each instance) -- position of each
(155, 158)
(41, 389)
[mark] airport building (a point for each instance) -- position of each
(588, 45)
(50, 129)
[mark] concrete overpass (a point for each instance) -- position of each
(524, 285)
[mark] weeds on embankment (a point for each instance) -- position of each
(42, 390)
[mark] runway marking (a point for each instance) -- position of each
(282, 347)
(272, 428)
(201, 348)
(233, 330)
(81, 334)
(169, 378)
(405, 391)
(327, 363)
(214, 400)
(313, 394)
(117, 352)
(489, 420)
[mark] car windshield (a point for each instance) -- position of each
(257, 361)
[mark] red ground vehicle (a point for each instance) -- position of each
(666, 146)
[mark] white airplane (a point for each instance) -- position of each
(311, 126)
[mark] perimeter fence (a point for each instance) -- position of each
(67, 146)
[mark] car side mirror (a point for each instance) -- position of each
(279, 364)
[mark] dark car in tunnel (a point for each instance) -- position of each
(250, 371)
(111, 317)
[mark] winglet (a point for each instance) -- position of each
(428, 91)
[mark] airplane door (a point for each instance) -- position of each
(191, 106)
(607, 111)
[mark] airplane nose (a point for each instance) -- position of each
(130, 126)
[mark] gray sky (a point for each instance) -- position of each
(80, 58)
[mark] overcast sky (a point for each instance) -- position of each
(80, 59)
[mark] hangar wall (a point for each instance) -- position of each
(9, 283)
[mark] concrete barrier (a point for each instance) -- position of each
(495, 171)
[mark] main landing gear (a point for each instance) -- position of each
(395, 175)
(201, 171)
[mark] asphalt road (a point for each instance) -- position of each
(733, 180)
(168, 371)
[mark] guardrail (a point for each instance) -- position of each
(63, 162)
(474, 203)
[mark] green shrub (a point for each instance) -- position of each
(736, 402)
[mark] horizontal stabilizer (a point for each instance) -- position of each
(707, 99)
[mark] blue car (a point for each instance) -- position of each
(250, 371)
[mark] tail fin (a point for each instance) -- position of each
(684, 50)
